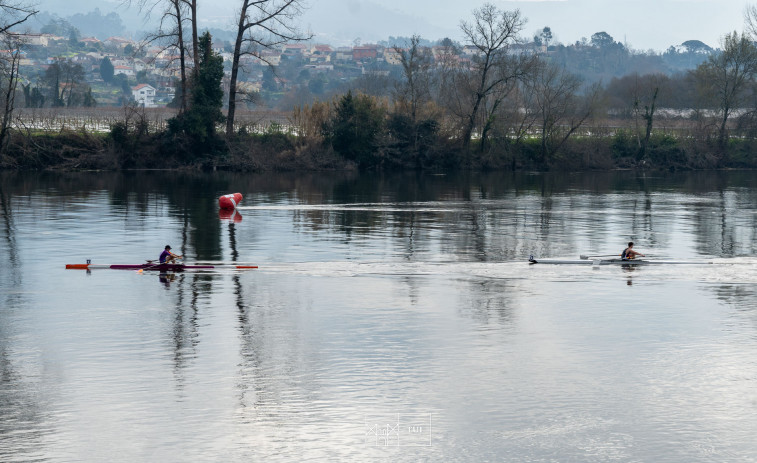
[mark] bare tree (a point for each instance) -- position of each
(645, 93)
(511, 70)
(13, 13)
(750, 20)
(8, 82)
(725, 77)
(416, 63)
(262, 24)
(491, 33)
(412, 93)
(171, 35)
(555, 98)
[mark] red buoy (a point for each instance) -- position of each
(230, 202)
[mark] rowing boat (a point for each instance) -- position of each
(615, 261)
(157, 267)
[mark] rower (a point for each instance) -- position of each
(629, 254)
(167, 257)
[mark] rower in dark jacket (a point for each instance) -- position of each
(629, 254)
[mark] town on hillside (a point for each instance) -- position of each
(71, 71)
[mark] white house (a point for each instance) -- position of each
(144, 95)
(125, 70)
(139, 65)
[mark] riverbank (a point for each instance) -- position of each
(70, 150)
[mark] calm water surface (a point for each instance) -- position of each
(393, 318)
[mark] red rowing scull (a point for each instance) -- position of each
(157, 267)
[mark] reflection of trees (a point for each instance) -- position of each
(22, 415)
(23, 412)
(491, 302)
(184, 333)
(190, 198)
(725, 226)
(271, 353)
(10, 272)
(488, 216)
(494, 216)
(743, 299)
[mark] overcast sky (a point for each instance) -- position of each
(642, 24)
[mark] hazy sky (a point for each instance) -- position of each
(642, 24)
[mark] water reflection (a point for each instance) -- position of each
(376, 294)
(166, 278)
(492, 206)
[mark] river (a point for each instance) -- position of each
(392, 317)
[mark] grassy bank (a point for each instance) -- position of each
(125, 148)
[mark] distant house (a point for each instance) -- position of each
(125, 70)
(36, 39)
(218, 47)
(271, 57)
(144, 95)
(90, 41)
(294, 49)
(471, 50)
(118, 42)
(139, 65)
(321, 54)
(343, 54)
(364, 52)
(391, 56)
(322, 50)
(96, 55)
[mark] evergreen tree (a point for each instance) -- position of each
(73, 38)
(106, 70)
(89, 99)
(206, 98)
(355, 128)
(269, 80)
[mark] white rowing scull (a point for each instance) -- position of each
(615, 261)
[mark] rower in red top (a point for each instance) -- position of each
(167, 257)
(629, 254)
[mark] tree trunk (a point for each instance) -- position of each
(195, 50)
(471, 122)
(10, 98)
(544, 141)
(235, 68)
(722, 138)
(182, 57)
(649, 117)
(232, 95)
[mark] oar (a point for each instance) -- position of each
(222, 262)
(584, 257)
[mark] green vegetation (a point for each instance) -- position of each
(106, 70)
(355, 127)
(491, 102)
(198, 122)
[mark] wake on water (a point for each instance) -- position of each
(725, 270)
